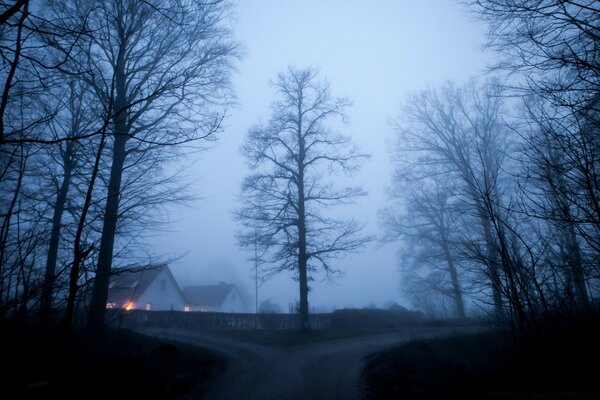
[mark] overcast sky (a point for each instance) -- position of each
(375, 53)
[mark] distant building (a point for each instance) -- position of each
(217, 298)
(151, 289)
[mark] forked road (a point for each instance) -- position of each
(323, 370)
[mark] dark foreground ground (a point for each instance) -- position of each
(560, 364)
(423, 362)
(313, 366)
(119, 365)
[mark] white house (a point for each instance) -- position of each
(152, 289)
(217, 298)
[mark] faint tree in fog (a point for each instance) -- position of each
(293, 158)
(462, 131)
(269, 307)
(459, 129)
(168, 65)
(425, 217)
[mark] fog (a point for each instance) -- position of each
(422, 214)
(374, 55)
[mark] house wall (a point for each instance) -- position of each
(162, 296)
(233, 303)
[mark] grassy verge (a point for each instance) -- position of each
(490, 365)
(290, 338)
(119, 365)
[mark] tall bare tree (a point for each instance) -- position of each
(168, 65)
(293, 158)
(550, 48)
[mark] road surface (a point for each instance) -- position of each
(323, 370)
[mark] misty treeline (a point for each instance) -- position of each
(99, 98)
(496, 195)
(496, 190)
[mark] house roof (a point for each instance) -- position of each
(128, 284)
(207, 295)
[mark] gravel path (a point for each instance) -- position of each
(323, 370)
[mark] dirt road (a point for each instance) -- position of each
(323, 370)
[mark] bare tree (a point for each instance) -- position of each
(80, 251)
(553, 45)
(31, 65)
(550, 48)
(425, 217)
(460, 130)
(168, 65)
(292, 158)
(77, 117)
(560, 187)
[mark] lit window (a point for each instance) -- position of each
(148, 306)
(130, 305)
(186, 308)
(111, 305)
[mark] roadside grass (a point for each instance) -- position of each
(488, 365)
(290, 338)
(120, 365)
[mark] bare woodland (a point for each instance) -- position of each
(97, 99)
(494, 203)
(495, 194)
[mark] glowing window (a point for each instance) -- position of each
(148, 306)
(186, 308)
(111, 305)
(130, 305)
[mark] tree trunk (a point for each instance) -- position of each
(111, 212)
(456, 290)
(4, 232)
(302, 256)
(107, 241)
(577, 290)
(576, 268)
(493, 258)
(79, 253)
(59, 207)
(303, 278)
(12, 70)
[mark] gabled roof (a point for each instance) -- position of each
(128, 284)
(207, 295)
